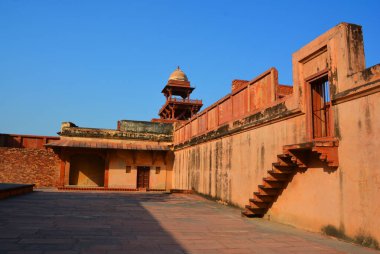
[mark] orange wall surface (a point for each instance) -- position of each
(348, 197)
(25, 141)
(119, 176)
(231, 168)
(229, 163)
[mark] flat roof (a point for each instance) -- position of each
(107, 145)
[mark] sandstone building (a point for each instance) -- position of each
(304, 155)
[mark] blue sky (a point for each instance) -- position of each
(95, 62)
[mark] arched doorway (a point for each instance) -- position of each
(86, 170)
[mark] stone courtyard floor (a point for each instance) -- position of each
(102, 222)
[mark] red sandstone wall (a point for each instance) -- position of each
(25, 141)
(28, 165)
(255, 94)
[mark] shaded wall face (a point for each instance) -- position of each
(86, 170)
(123, 169)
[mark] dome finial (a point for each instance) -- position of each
(178, 74)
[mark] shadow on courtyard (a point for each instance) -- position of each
(83, 223)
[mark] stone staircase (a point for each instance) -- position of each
(295, 158)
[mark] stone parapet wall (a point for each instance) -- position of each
(145, 127)
(28, 165)
(115, 134)
(250, 98)
(25, 141)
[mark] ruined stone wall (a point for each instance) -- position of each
(29, 165)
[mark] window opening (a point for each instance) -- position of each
(321, 106)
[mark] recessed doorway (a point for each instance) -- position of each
(143, 177)
(86, 170)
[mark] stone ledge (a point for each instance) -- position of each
(13, 189)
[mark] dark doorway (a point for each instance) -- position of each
(86, 170)
(143, 177)
(321, 108)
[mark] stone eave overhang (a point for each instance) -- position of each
(108, 144)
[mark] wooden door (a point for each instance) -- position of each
(321, 106)
(143, 177)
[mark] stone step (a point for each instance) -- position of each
(269, 190)
(247, 213)
(274, 183)
(273, 179)
(283, 156)
(298, 163)
(259, 204)
(250, 214)
(280, 175)
(264, 197)
(256, 210)
(284, 159)
(283, 168)
(323, 157)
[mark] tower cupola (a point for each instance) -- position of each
(178, 104)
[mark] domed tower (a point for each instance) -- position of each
(178, 105)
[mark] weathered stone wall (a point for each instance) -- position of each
(28, 165)
(160, 163)
(229, 162)
(347, 197)
(115, 134)
(230, 167)
(25, 141)
(145, 127)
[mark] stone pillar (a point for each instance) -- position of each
(106, 171)
(62, 173)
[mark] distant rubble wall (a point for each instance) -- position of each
(29, 165)
(24, 159)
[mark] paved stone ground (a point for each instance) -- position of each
(101, 222)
